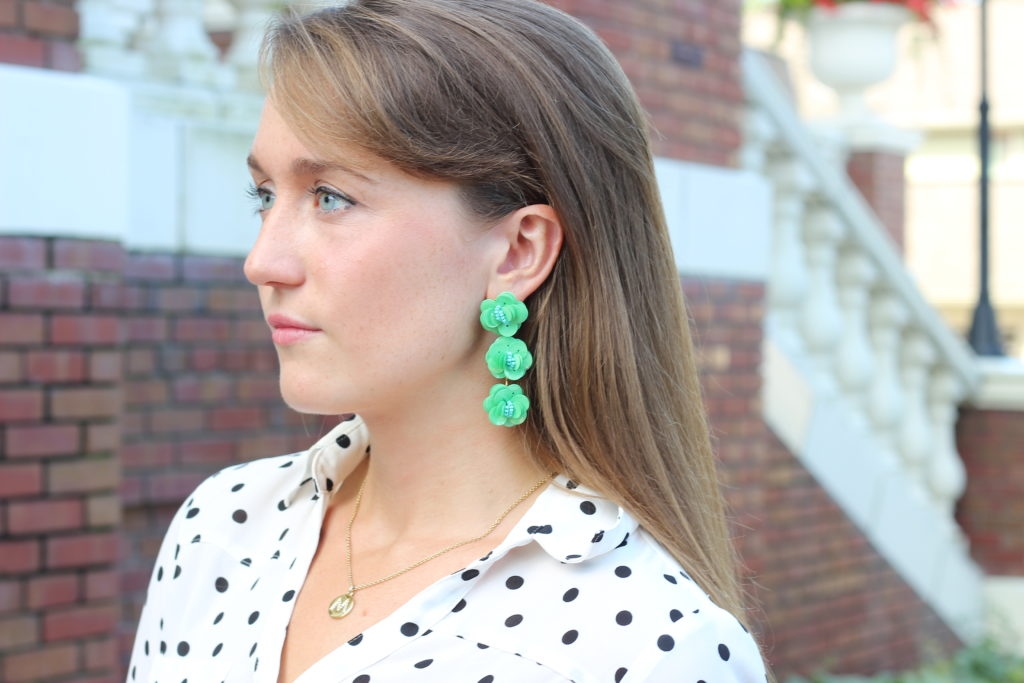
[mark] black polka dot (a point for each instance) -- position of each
(482, 646)
(343, 441)
(289, 463)
(723, 652)
(410, 629)
(514, 620)
(670, 578)
(486, 679)
(569, 637)
(237, 487)
(281, 505)
(253, 617)
(239, 516)
(675, 615)
(160, 574)
(216, 650)
(545, 529)
(588, 507)
(570, 595)
(620, 673)
(459, 607)
(470, 574)
(192, 513)
(330, 484)
(423, 664)
(624, 618)
(216, 619)
(287, 597)
(622, 571)
(570, 484)
(514, 582)
(163, 647)
(625, 540)
(355, 641)
(283, 534)
(221, 584)
(183, 649)
(177, 571)
(362, 678)
(253, 650)
(666, 643)
(598, 537)
(145, 647)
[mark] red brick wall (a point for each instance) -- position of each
(39, 33)
(60, 403)
(124, 380)
(683, 59)
(879, 177)
(825, 598)
(991, 511)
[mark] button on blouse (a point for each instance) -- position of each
(576, 592)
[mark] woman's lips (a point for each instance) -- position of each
(285, 330)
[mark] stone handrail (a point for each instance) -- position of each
(840, 298)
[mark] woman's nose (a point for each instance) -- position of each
(275, 258)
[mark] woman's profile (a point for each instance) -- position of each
(462, 255)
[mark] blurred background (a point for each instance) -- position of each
(821, 166)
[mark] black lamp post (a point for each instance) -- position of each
(984, 333)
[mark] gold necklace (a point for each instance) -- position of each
(343, 604)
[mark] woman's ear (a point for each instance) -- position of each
(531, 239)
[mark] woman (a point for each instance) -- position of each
(414, 158)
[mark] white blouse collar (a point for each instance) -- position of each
(569, 521)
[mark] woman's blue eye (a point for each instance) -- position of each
(328, 200)
(263, 198)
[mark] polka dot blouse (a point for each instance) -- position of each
(576, 592)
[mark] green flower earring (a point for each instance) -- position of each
(508, 358)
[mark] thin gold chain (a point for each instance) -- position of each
(494, 525)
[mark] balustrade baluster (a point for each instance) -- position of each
(788, 279)
(885, 404)
(179, 49)
(821, 321)
(946, 475)
(758, 134)
(915, 438)
(253, 17)
(854, 358)
(108, 30)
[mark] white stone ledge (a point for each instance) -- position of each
(1002, 385)
(719, 219)
(157, 168)
(64, 145)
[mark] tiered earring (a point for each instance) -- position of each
(508, 358)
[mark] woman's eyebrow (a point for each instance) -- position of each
(306, 166)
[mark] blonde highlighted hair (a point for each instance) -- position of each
(518, 103)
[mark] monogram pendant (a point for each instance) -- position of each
(341, 606)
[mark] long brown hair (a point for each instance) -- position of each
(519, 103)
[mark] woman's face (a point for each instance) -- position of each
(370, 279)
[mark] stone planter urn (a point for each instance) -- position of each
(852, 47)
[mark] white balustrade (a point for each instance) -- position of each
(862, 377)
(165, 42)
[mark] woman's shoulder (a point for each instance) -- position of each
(600, 599)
